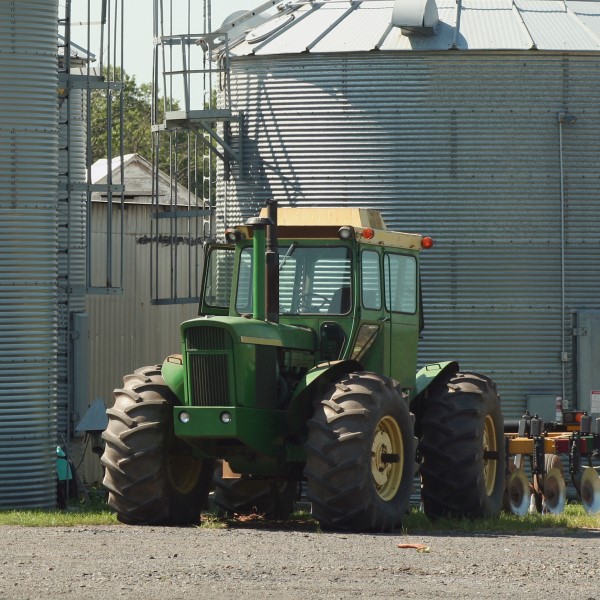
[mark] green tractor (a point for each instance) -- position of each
(301, 368)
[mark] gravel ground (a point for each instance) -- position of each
(166, 563)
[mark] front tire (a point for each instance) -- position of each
(148, 474)
(360, 455)
(462, 449)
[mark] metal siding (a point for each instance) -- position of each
(588, 351)
(28, 252)
(460, 146)
(72, 248)
(126, 331)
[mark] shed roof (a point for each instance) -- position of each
(137, 176)
(362, 25)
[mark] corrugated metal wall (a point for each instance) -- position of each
(126, 331)
(28, 252)
(72, 247)
(460, 146)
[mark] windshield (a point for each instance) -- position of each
(312, 280)
(217, 280)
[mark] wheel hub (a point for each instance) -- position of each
(387, 458)
(490, 450)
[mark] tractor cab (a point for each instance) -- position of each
(356, 285)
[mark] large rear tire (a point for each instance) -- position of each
(272, 498)
(462, 448)
(360, 455)
(150, 477)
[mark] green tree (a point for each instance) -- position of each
(180, 153)
(137, 113)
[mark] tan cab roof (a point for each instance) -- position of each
(323, 217)
(290, 222)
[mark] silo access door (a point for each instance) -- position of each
(587, 332)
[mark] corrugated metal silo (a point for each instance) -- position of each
(457, 134)
(28, 252)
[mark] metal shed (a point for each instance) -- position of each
(126, 331)
(479, 126)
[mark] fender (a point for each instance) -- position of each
(174, 375)
(301, 405)
(429, 375)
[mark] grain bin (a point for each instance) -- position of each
(475, 122)
(28, 252)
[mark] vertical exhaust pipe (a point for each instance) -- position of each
(272, 265)
(259, 226)
(265, 270)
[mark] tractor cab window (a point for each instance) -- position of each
(217, 277)
(370, 281)
(400, 276)
(312, 280)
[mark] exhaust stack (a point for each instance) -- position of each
(258, 225)
(272, 265)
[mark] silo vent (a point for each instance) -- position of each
(415, 17)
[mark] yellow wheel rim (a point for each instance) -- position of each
(184, 472)
(387, 458)
(489, 446)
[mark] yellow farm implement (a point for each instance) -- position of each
(552, 451)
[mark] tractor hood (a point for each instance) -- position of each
(261, 333)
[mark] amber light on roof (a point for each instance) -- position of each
(368, 233)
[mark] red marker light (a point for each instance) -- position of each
(427, 243)
(368, 233)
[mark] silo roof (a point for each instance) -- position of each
(363, 25)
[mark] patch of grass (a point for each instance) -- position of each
(79, 512)
(211, 521)
(55, 518)
(573, 518)
(96, 512)
(302, 516)
(70, 517)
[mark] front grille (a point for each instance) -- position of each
(206, 338)
(208, 378)
(208, 352)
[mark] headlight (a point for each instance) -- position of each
(233, 235)
(345, 232)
